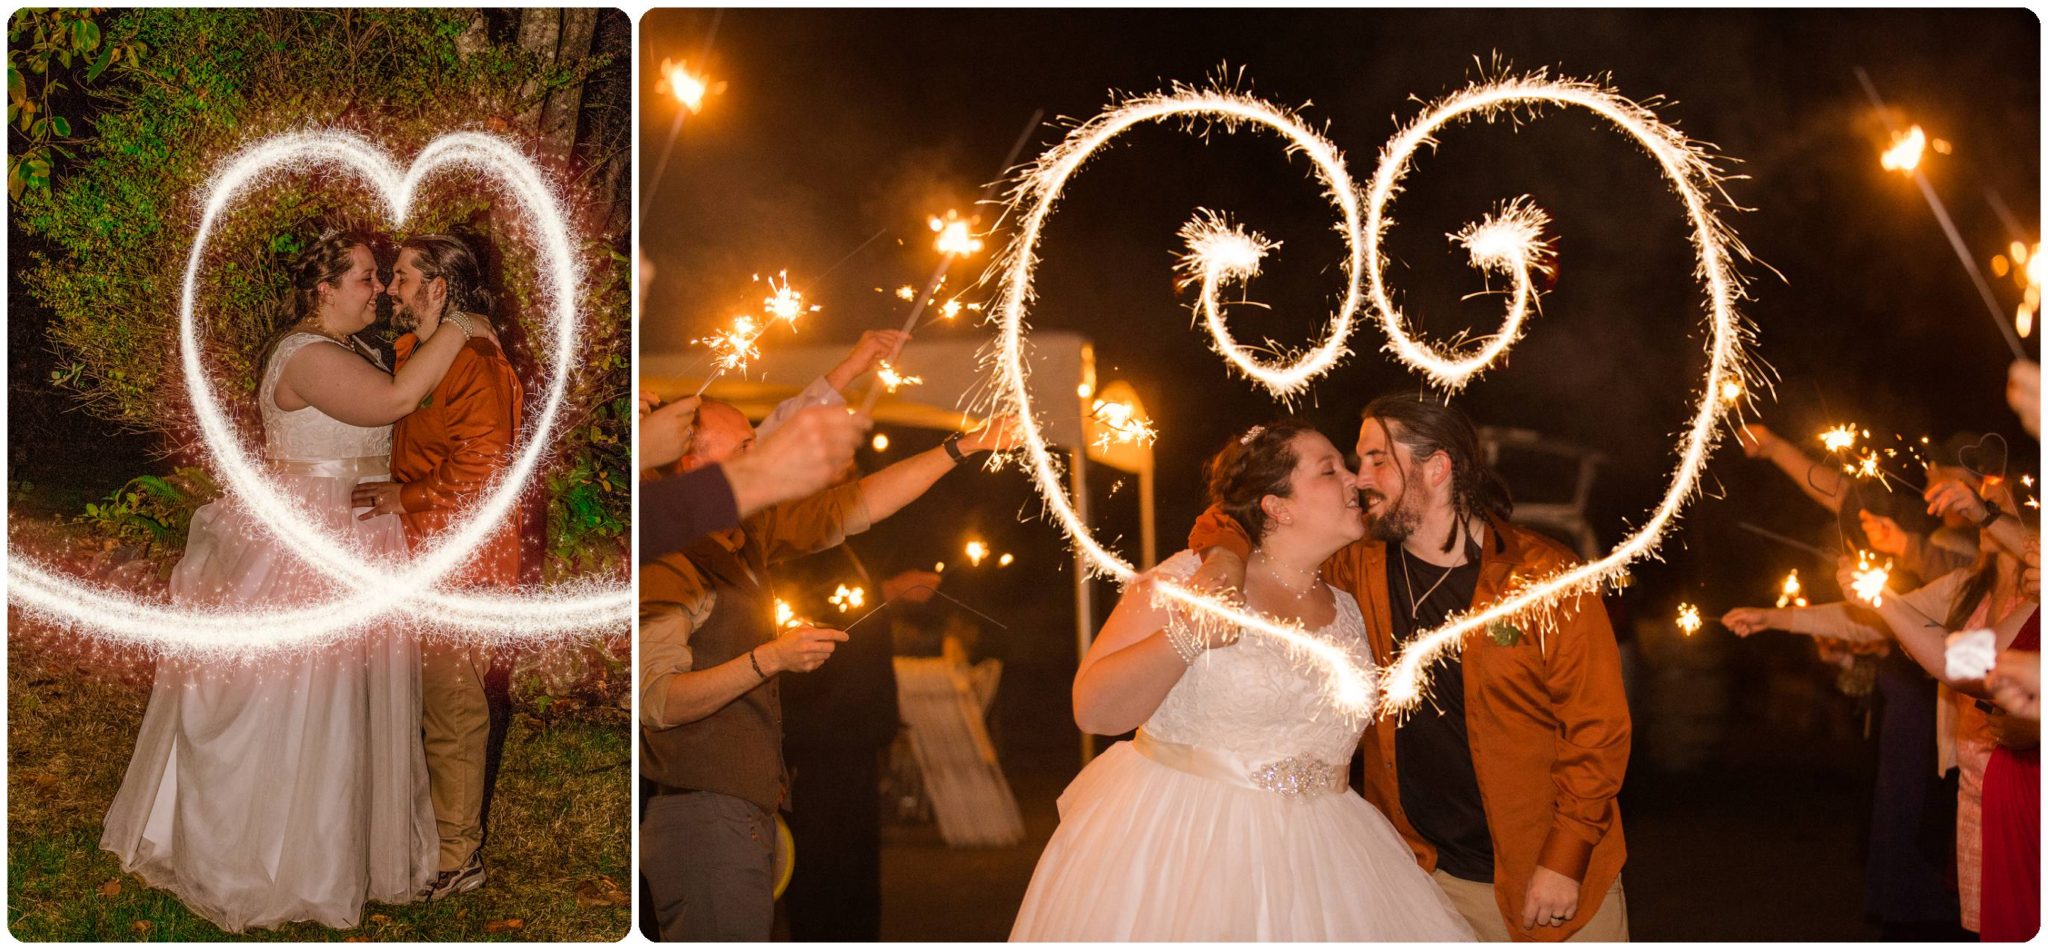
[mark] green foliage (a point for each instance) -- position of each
(152, 513)
(120, 220)
(45, 48)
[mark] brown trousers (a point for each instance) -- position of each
(1475, 903)
(456, 718)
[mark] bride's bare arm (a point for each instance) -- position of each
(336, 381)
(1129, 669)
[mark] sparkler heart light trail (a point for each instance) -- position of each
(367, 590)
(1508, 241)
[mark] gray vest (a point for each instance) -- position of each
(737, 750)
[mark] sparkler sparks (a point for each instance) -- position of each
(1731, 392)
(1868, 579)
(1687, 168)
(976, 552)
(784, 303)
(892, 380)
(1838, 438)
(734, 348)
(370, 591)
(955, 240)
(1790, 593)
(906, 293)
(1120, 425)
(1006, 560)
(687, 87)
(848, 598)
(1689, 619)
(1904, 155)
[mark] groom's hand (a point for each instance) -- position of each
(1552, 899)
(382, 498)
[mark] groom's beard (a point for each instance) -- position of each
(403, 317)
(1397, 519)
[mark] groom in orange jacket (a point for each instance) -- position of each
(444, 455)
(1504, 781)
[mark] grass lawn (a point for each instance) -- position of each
(558, 852)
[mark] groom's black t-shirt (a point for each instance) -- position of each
(1432, 754)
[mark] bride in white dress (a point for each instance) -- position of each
(1228, 817)
(293, 787)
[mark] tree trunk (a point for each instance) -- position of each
(540, 32)
(564, 107)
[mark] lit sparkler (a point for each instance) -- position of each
(1731, 392)
(893, 380)
(1868, 579)
(976, 553)
(955, 239)
(784, 303)
(1904, 157)
(848, 598)
(1120, 425)
(1790, 593)
(372, 591)
(1006, 560)
(1689, 619)
(1687, 168)
(1839, 438)
(733, 348)
(786, 618)
(881, 442)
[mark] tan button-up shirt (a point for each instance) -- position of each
(676, 598)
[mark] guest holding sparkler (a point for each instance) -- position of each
(814, 448)
(1989, 594)
(710, 661)
(1908, 875)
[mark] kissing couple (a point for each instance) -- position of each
(298, 785)
(1489, 812)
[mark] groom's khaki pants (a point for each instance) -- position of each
(457, 720)
(1475, 903)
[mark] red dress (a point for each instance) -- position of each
(2012, 831)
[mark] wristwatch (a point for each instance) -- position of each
(1991, 514)
(952, 445)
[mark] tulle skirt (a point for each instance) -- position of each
(1145, 851)
(286, 788)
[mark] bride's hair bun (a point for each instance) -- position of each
(1251, 466)
(323, 262)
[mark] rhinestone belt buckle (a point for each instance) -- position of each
(1300, 776)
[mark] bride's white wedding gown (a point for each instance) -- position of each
(1229, 817)
(292, 787)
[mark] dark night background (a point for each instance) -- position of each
(1750, 779)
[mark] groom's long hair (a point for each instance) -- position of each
(451, 259)
(1427, 427)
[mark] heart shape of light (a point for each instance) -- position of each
(1508, 242)
(371, 590)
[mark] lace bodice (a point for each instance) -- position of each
(1255, 702)
(308, 433)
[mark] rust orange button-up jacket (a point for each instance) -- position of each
(1545, 715)
(450, 448)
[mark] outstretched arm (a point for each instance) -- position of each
(1823, 483)
(888, 490)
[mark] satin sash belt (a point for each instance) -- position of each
(1301, 776)
(364, 468)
